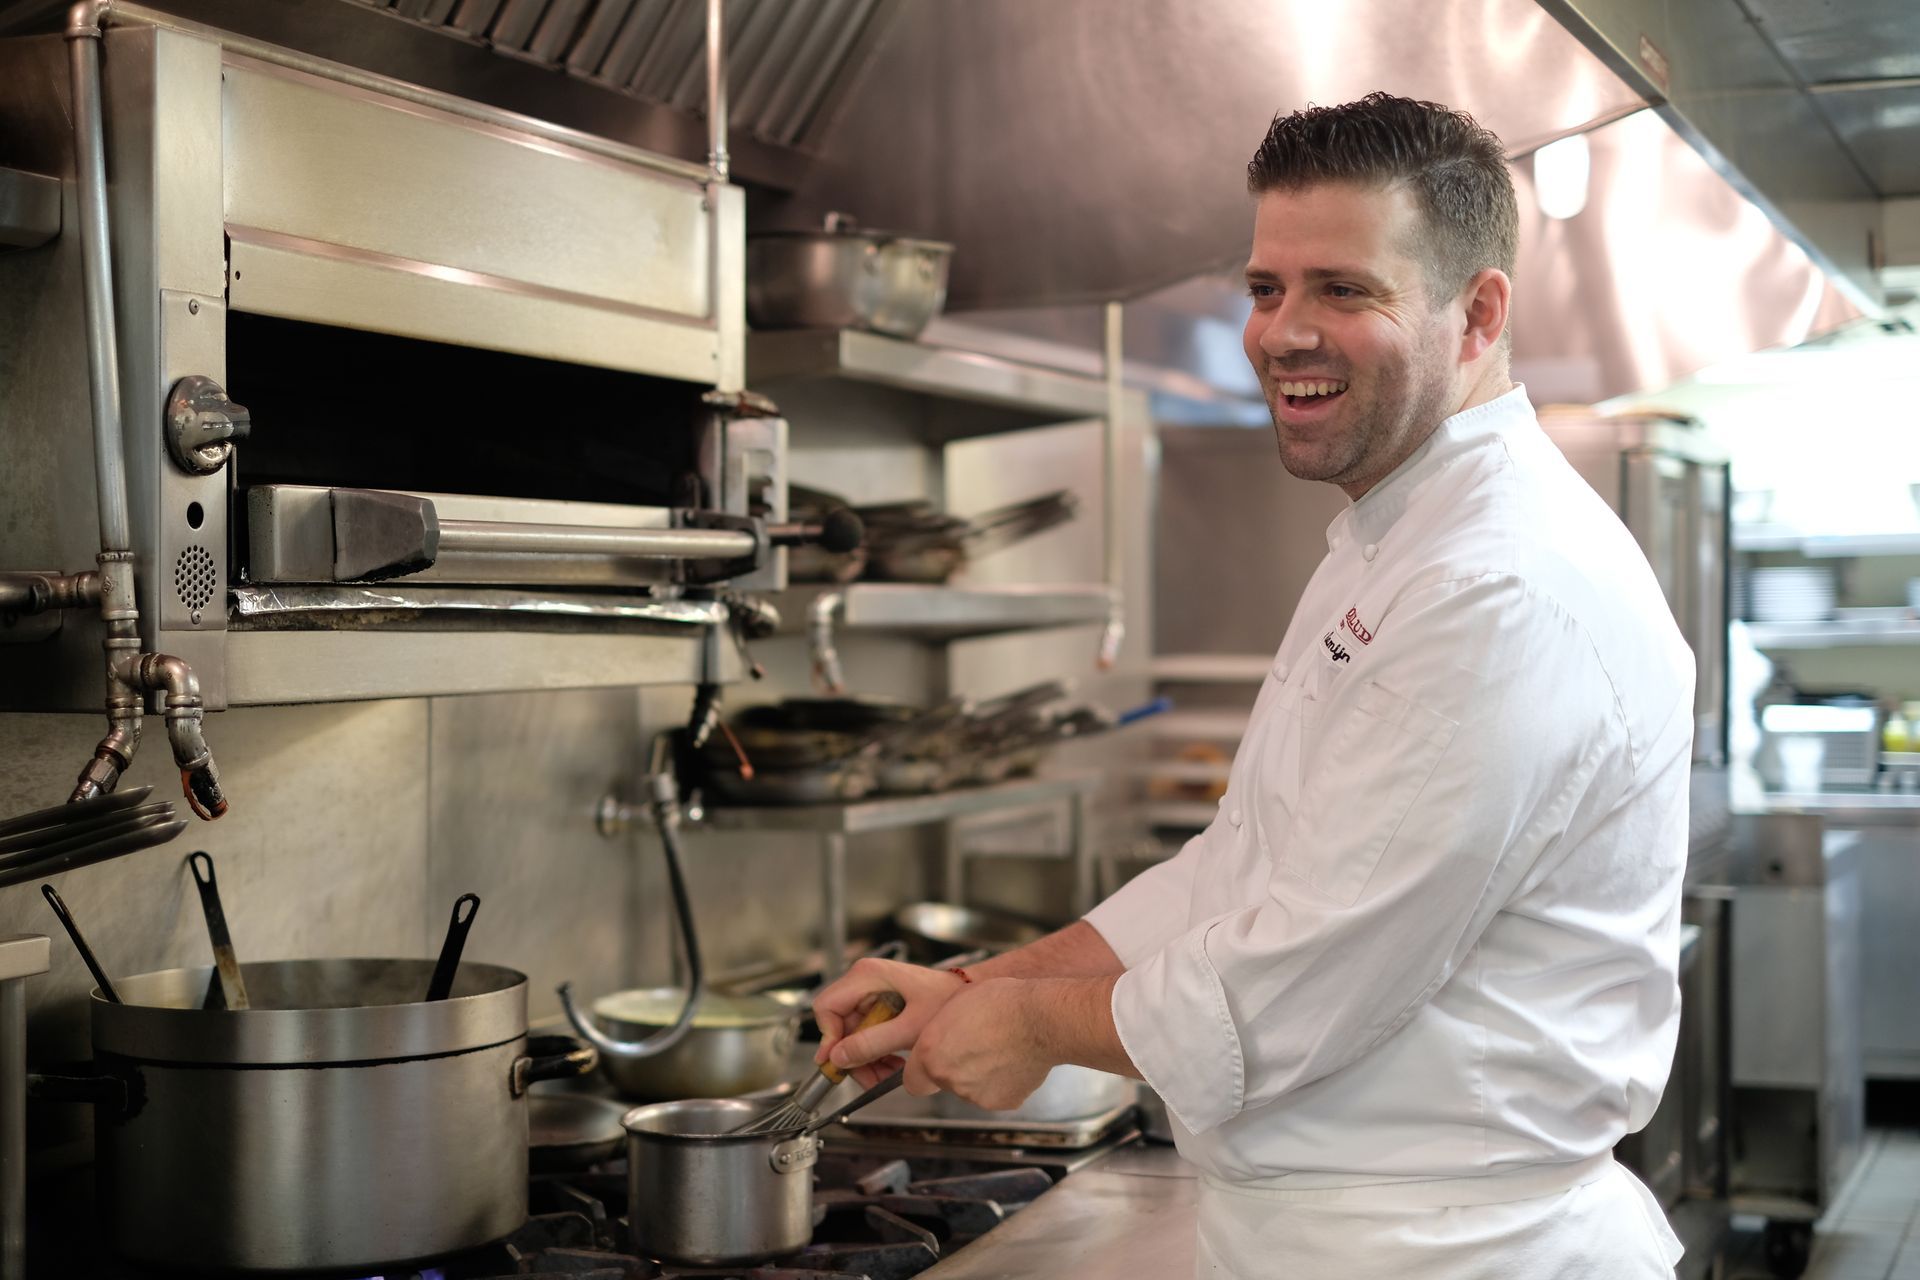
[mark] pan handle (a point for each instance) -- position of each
(110, 1093)
(551, 1058)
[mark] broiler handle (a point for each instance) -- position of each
(886, 1007)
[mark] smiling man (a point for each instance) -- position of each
(1415, 981)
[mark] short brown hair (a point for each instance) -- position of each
(1456, 168)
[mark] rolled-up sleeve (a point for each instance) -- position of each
(1434, 777)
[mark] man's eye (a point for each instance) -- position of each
(1342, 291)
(1263, 291)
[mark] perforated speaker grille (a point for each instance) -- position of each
(194, 577)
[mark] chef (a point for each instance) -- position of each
(1418, 977)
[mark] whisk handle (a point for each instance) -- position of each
(886, 1007)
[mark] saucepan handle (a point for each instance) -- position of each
(552, 1058)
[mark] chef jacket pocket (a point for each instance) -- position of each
(1359, 781)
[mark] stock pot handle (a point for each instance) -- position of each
(112, 1094)
(551, 1058)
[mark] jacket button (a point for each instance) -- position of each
(1233, 816)
(1369, 551)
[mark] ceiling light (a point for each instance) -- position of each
(1560, 173)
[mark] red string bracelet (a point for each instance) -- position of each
(961, 974)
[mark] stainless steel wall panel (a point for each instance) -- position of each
(310, 159)
(322, 853)
(1890, 951)
(266, 667)
(513, 782)
(47, 500)
(1091, 120)
(1777, 1003)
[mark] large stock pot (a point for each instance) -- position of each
(342, 1121)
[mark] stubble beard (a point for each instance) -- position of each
(1402, 407)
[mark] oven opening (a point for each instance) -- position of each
(343, 407)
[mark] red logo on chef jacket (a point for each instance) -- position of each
(1352, 623)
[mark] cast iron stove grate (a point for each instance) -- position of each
(875, 1217)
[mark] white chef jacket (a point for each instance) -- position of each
(1432, 932)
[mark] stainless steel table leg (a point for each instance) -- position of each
(20, 958)
(1080, 842)
(833, 904)
(953, 864)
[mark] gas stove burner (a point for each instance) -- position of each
(877, 1216)
(882, 1211)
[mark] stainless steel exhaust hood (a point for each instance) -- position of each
(1087, 152)
(1813, 111)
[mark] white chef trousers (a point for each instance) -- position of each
(1598, 1223)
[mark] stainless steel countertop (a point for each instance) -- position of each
(1129, 1214)
(1851, 808)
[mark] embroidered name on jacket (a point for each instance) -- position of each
(1352, 623)
(1335, 648)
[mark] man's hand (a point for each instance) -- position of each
(870, 1056)
(987, 1045)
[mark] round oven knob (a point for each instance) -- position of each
(202, 425)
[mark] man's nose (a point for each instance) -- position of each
(1289, 327)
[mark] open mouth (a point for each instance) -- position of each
(1311, 394)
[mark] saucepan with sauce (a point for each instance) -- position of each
(736, 1045)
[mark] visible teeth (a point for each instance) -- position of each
(1311, 388)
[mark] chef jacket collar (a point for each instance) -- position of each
(1369, 519)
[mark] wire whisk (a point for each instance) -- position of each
(798, 1110)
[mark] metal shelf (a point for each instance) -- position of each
(1762, 537)
(1868, 628)
(1849, 808)
(1212, 668)
(886, 813)
(1205, 726)
(948, 613)
(1187, 815)
(1020, 395)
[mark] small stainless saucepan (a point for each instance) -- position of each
(701, 1193)
(736, 1045)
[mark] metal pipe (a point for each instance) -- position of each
(96, 260)
(833, 905)
(665, 795)
(1080, 844)
(31, 593)
(501, 537)
(718, 162)
(826, 659)
(1116, 629)
(159, 672)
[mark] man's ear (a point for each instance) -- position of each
(1485, 301)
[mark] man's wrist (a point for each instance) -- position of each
(1067, 1019)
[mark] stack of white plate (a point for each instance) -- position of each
(1790, 593)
